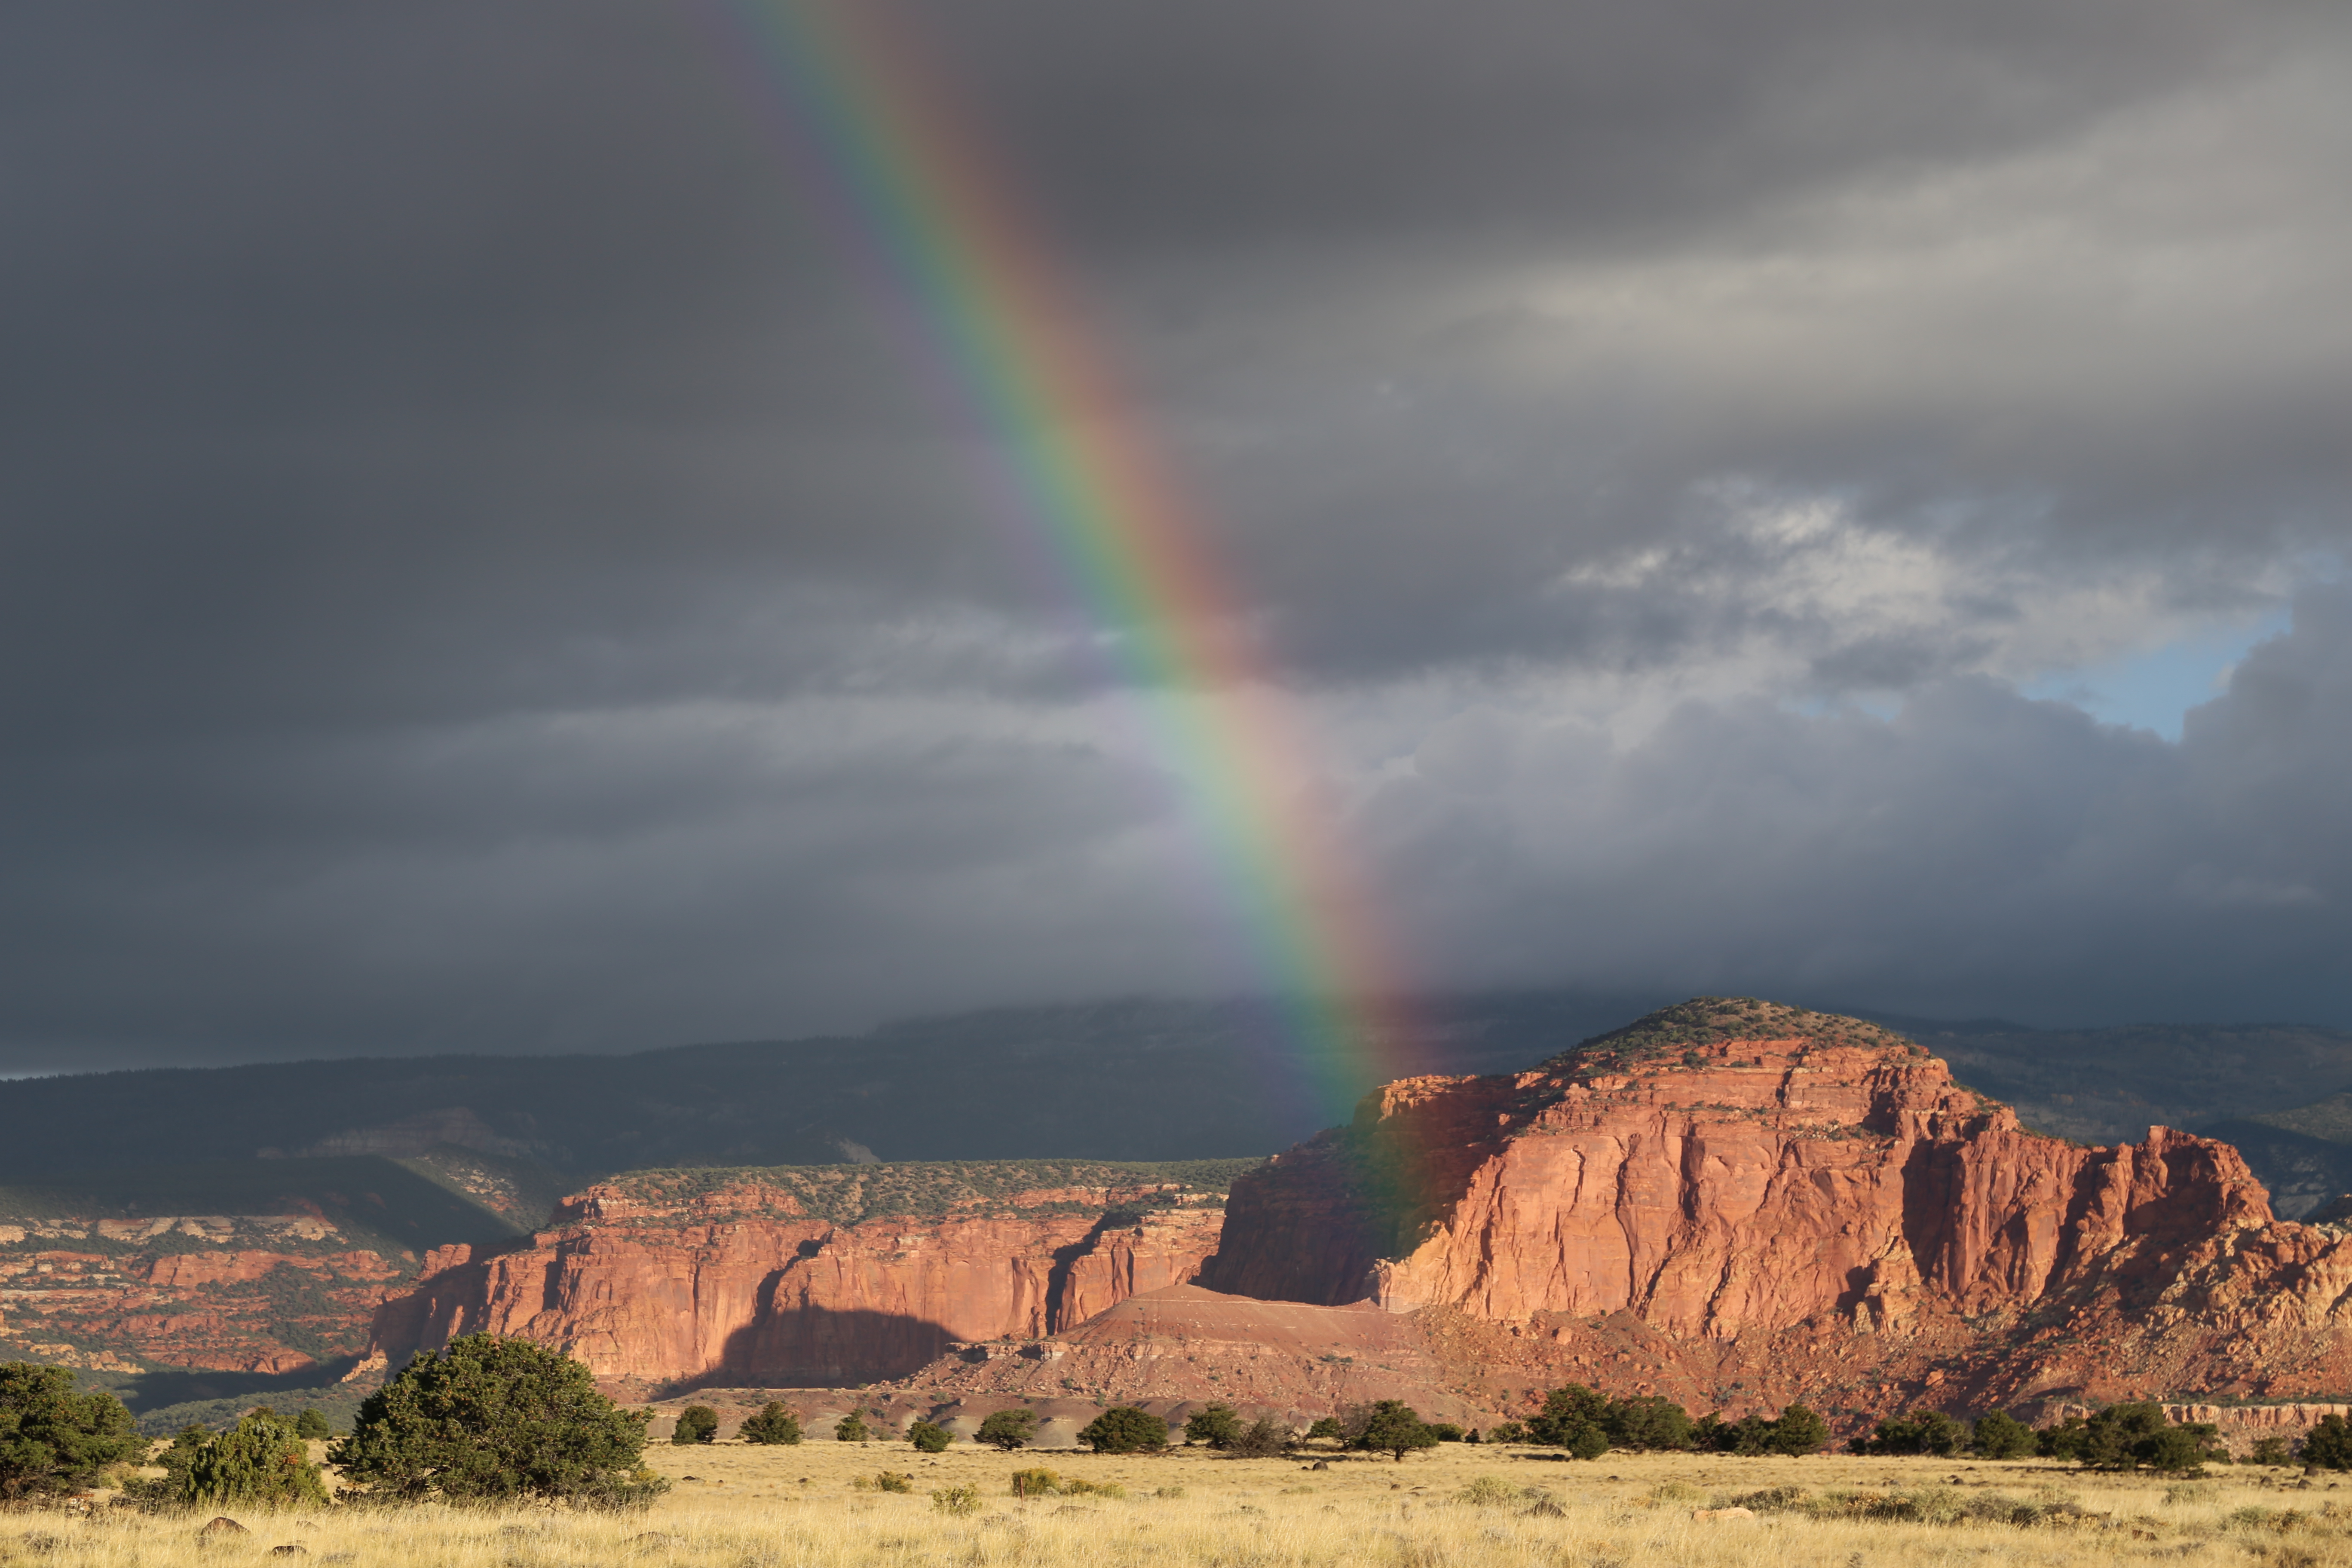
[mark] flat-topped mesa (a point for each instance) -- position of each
(1792, 1067)
(810, 1274)
(1719, 1167)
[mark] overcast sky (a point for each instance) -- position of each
(1831, 499)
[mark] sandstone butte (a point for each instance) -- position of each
(1745, 1202)
(741, 1282)
(1732, 1202)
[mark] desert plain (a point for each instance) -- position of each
(733, 1505)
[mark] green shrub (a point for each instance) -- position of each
(893, 1481)
(261, 1462)
(1326, 1426)
(1009, 1428)
(928, 1437)
(311, 1425)
(1507, 1432)
(2272, 1451)
(2060, 1440)
(850, 1429)
(1264, 1438)
(1589, 1423)
(493, 1420)
(2111, 1437)
(957, 1500)
(2134, 1436)
(1647, 1421)
(1124, 1430)
(1035, 1482)
(1218, 1426)
(696, 1424)
(1921, 1432)
(53, 1440)
(1575, 1418)
(1487, 1491)
(1796, 1430)
(1393, 1427)
(2328, 1445)
(1447, 1431)
(2176, 1450)
(1998, 1435)
(774, 1425)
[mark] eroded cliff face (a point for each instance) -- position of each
(1806, 1168)
(253, 1293)
(744, 1283)
(1733, 1199)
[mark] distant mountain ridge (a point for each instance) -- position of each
(1117, 1081)
(1120, 1080)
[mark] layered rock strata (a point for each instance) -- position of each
(1775, 1204)
(744, 1283)
(249, 1293)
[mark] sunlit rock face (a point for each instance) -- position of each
(1719, 1168)
(744, 1283)
(1738, 1174)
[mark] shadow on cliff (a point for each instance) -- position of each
(178, 1385)
(817, 1347)
(1066, 1260)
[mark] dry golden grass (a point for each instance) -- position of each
(798, 1508)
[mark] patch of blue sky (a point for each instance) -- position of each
(2153, 690)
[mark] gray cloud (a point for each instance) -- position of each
(1979, 851)
(483, 568)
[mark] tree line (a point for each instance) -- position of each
(491, 1420)
(2132, 1435)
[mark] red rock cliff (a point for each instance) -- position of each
(1756, 1178)
(744, 1283)
(267, 1293)
(1774, 1170)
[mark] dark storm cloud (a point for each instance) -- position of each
(1979, 851)
(480, 566)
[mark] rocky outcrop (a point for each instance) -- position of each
(1744, 1184)
(1768, 1200)
(254, 1293)
(1176, 1349)
(763, 1281)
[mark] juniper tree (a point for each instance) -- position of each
(1009, 1428)
(493, 1420)
(54, 1440)
(773, 1424)
(1124, 1430)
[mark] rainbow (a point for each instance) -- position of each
(873, 130)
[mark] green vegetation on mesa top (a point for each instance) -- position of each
(388, 1205)
(845, 1194)
(2330, 1119)
(1664, 1035)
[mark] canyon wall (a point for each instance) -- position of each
(249, 1293)
(774, 1282)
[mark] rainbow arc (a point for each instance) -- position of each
(873, 129)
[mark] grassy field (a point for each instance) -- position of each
(800, 1508)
